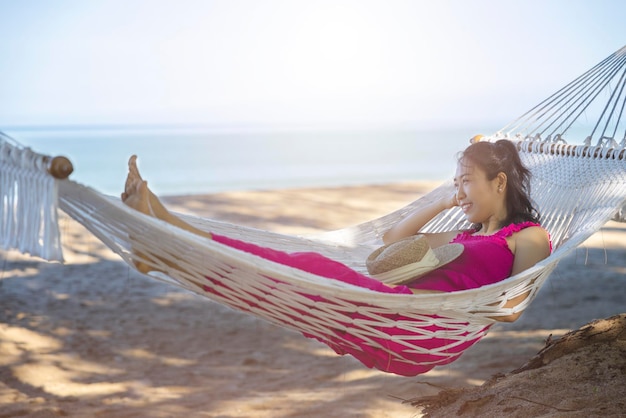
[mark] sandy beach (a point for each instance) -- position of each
(93, 338)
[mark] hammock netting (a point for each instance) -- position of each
(577, 188)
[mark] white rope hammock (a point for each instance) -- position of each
(576, 188)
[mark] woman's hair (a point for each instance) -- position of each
(502, 157)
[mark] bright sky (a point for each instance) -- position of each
(285, 63)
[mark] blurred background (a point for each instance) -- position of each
(243, 94)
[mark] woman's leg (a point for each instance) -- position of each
(138, 196)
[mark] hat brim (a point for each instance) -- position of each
(411, 272)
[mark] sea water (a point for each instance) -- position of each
(181, 160)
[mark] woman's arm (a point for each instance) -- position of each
(531, 245)
(413, 223)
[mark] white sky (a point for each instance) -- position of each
(286, 63)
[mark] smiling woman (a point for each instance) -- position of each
(493, 189)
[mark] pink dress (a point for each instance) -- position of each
(485, 260)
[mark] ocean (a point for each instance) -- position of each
(179, 161)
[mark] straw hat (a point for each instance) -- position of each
(408, 259)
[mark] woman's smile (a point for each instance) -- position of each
(466, 206)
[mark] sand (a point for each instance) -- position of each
(93, 338)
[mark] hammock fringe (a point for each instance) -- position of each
(29, 202)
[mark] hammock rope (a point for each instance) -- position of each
(576, 188)
(565, 107)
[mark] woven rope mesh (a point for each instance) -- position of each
(576, 195)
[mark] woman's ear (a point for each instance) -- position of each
(501, 180)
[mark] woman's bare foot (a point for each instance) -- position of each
(136, 192)
(138, 195)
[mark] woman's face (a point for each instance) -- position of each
(477, 196)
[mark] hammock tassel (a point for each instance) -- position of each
(29, 201)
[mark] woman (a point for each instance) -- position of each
(492, 188)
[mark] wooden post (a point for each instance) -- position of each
(60, 167)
